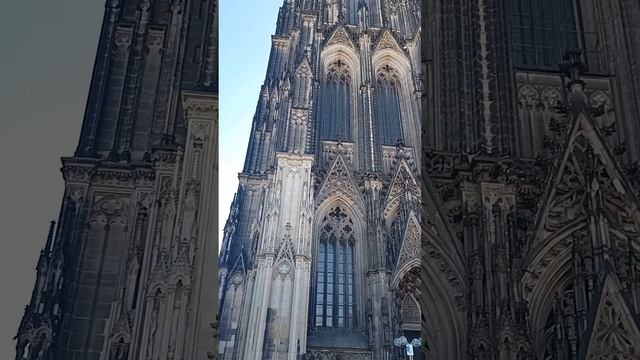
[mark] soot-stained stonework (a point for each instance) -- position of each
(128, 272)
(530, 150)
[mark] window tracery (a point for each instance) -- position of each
(542, 30)
(388, 105)
(335, 287)
(336, 122)
(338, 72)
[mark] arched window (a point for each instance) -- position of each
(388, 110)
(542, 30)
(353, 11)
(336, 121)
(353, 8)
(334, 296)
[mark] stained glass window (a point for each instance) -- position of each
(336, 115)
(388, 110)
(334, 292)
(542, 30)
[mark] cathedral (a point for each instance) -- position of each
(129, 269)
(531, 141)
(521, 184)
(320, 256)
(462, 175)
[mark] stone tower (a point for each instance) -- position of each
(531, 147)
(321, 252)
(129, 270)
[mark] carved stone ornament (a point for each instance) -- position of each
(387, 41)
(340, 36)
(198, 106)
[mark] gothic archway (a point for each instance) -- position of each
(394, 84)
(337, 280)
(444, 325)
(410, 315)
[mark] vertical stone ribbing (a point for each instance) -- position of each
(129, 266)
(320, 104)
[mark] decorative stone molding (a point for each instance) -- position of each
(342, 37)
(388, 41)
(331, 149)
(336, 355)
(105, 174)
(299, 116)
(198, 105)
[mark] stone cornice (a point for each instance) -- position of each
(95, 172)
(200, 105)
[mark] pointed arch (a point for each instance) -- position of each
(614, 332)
(279, 311)
(340, 36)
(586, 169)
(339, 87)
(404, 176)
(410, 312)
(388, 41)
(395, 115)
(338, 269)
(338, 93)
(231, 312)
(388, 94)
(445, 325)
(339, 183)
(408, 256)
(303, 78)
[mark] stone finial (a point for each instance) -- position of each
(400, 153)
(572, 67)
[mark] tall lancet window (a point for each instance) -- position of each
(542, 30)
(388, 111)
(336, 109)
(334, 297)
(354, 6)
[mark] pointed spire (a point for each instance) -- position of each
(48, 246)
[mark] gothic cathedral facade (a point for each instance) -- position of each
(128, 272)
(506, 225)
(522, 186)
(321, 252)
(531, 230)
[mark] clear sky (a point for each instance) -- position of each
(47, 49)
(246, 27)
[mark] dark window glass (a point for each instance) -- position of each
(388, 110)
(334, 300)
(336, 113)
(542, 30)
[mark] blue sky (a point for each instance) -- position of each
(245, 29)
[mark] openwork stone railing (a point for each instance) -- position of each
(336, 355)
